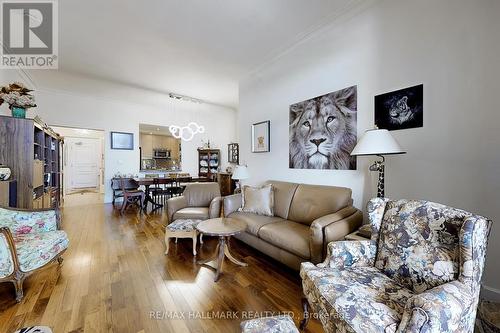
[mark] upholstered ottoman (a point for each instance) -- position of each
(183, 228)
(277, 324)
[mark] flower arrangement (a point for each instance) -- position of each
(17, 95)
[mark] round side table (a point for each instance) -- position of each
(223, 228)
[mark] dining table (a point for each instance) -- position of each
(148, 181)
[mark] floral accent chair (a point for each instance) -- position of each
(420, 272)
(29, 240)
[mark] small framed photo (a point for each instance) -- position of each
(261, 142)
(233, 153)
(121, 140)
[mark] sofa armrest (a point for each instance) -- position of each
(231, 204)
(26, 221)
(8, 255)
(445, 308)
(332, 227)
(215, 207)
(350, 254)
(175, 204)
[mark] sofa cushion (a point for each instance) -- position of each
(254, 222)
(363, 297)
(258, 200)
(313, 201)
(35, 250)
(419, 243)
(283, 195)
(288, 235)
(194, 213)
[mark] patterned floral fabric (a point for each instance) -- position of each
(35, 329)
(362, 296)
(36, 238)
(419, 243)
(26, 222)
(35, 250)
(350, 254)
(426, 276)
(6, 264)
(277, 324)
(183, 225)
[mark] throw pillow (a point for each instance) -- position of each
(258, 200)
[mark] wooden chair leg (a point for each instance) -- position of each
(18, 284)
(195, 236)
(124, 205)
(305, 308)
(167, 239)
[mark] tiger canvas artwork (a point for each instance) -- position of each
(322, 131)
(400, 109)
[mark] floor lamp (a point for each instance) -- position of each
(378, 142)
(240, 173)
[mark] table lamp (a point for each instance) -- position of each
(378, 142)
(240, 173)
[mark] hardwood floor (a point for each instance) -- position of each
(116, 278)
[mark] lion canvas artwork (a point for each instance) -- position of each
(323, 131)
(400, 109)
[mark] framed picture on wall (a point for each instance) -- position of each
(323, 131)
(261, 142)
(400, 109)
(121, 140)
(233, 153)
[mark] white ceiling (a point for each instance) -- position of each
(198, 48)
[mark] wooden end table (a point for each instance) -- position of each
(223, 228)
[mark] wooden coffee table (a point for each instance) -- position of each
(223, 228)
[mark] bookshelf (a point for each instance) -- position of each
(33, 152)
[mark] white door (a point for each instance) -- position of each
(83, 163)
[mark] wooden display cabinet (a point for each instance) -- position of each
(208, 162)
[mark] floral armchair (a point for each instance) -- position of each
(29, 240)
(420, 272)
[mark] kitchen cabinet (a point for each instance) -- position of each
(146, 145)
(150, 142)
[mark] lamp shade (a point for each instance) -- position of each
(377, 142)
(240, 172)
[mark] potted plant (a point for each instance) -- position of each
(18, 97)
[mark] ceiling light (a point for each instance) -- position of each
(186, 133)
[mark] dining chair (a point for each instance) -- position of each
(159, 192)
(131, 194)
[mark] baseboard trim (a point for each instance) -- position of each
(490, 293)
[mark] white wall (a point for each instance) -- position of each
(76, 101)
(451, 46)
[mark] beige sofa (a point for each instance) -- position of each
(199, 201)
(307, 218)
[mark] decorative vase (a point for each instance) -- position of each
(18, 112)
(4, 172)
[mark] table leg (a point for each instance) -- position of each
(228, 254)
(222, 250)
(220, 259)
